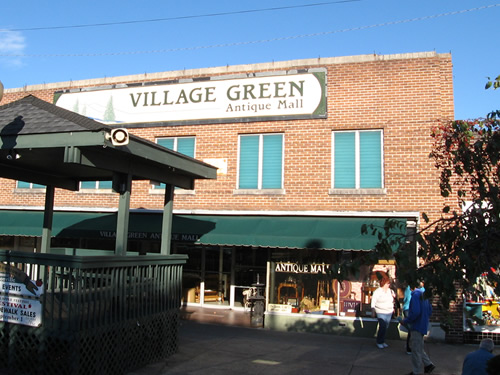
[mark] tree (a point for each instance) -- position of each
(461, 250)
(462, 247)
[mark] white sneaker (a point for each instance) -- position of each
(385, 345)
(380, 346)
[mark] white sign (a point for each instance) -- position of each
(220, 163)
(14, 288)
(212, 100)
(20, 311)
(302, 268)
(273, 307)
(325, 305)
(14, 281)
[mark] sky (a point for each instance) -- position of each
(57, 41)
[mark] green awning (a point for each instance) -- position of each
(338, 233)
(319, 232)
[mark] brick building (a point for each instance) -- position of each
(308, 151)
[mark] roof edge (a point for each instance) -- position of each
(231, 69)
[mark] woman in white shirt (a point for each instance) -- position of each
(382, 307)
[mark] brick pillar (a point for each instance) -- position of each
(454, 315)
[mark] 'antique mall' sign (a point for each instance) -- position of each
(300, 95)
(301, 268)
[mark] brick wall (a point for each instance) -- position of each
(405, 95)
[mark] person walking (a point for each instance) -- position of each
(406, 308)
(418, 320)
(382, 306)
(475, 362)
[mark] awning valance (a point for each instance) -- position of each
(318, 232)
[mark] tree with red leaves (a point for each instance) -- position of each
(463, 246)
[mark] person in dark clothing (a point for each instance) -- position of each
(475, 362)
(406, 308)
(418, 322)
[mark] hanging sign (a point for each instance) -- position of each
(14, 281)
(213, 100)
(19, 297)
(21, 311)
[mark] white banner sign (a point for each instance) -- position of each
(14, 281)
(20, 311)
(18, 289)
(211, 100)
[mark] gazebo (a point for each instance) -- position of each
(71, 311)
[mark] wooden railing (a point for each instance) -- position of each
(100, 313)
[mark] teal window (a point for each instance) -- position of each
(96, 185)
(183, 145)
(357, 159)
(261, 161)
(29, 185)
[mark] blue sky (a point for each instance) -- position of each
(43, 42)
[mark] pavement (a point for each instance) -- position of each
(222, 342)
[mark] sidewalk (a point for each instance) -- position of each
(208, 345)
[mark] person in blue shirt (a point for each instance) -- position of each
(475, 362)
(419, 314)
(406, 308)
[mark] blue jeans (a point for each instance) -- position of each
(383, 325)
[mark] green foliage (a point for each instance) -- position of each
(390, 237)
(463, 246)
(495, 83)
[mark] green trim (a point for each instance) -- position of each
(337, 233)
(322, 106)
(57, 95)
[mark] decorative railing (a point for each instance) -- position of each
(87, 314)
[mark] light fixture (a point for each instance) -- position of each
(118, 137)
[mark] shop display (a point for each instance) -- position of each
(311, 288)
(481, 308)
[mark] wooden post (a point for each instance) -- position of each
(123, 185)
(166, 227)
(48, 216)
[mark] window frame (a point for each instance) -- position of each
(357, 189)
(260, 169)
(96, 188)
(31, 187)
(159, 187)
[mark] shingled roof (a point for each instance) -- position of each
(48, 145)
(31, 115)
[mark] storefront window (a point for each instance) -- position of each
(481, 310)
(307, 285)
(191, 275)
(7, 242)
(217, 274)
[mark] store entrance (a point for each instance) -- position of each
(221, 276)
